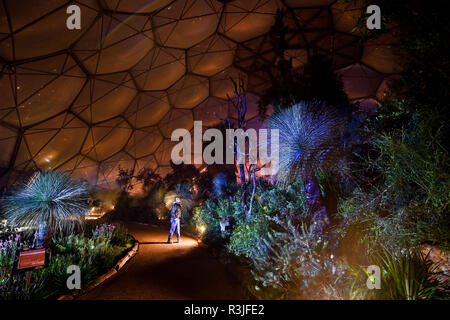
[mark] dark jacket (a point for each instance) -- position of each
(175, 212)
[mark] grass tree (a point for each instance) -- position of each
(310, 138)
(49, 201)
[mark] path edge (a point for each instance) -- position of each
(119, 265)
(183, 232)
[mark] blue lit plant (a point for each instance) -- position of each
(48, 202)
(310, 138)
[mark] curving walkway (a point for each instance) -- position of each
(163, 271)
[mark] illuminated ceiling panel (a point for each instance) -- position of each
(243, 20)
(211, 56)
(187, 22)
(114, 44)
(33, 30)
(161, 68)
(189, 92)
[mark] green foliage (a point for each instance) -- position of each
(406, 275)
(212, 211)
(287, 259)
(270, 200)
(414, 160)
(245, 236)
(409, 276)
(120, 236)
(8, 246)
(404, 194)
(293, 262)
(95, 250)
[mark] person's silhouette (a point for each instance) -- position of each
(175, 215)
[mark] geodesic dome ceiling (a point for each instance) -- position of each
(86, 101)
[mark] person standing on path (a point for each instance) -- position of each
(175, 215)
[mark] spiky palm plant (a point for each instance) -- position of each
(411, 275)
(49, 201)
(310, 138)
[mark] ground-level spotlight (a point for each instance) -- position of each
(200, 231)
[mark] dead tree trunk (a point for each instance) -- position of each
(252, 176)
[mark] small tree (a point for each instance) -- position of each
(48, 202)
(239, 103)
(125, 179)
(150, 179)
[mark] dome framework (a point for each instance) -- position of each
(88, 101)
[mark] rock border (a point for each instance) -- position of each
(119, 265)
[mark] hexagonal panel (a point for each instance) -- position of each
(163, 154)
(211, 111)
(146, 162)
(252, 107)
(360, 81)
(211, 56)
(188, 92)
(33, 27)
(109, 169)
(221, 85)
(122, 88)
(175, 119)
(299, 57)
(307, 3)
(243, 20)
(106, 139)
(163, 171)
(161, 68)
(147, 109)
(105, 97)
(81, 167)
(114, 43)
(383, 89)
(378, 55)
(55, 141)
(345, 15)
(186, 22)
(144, 142)
(37, 85)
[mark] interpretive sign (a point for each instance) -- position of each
(31, 259)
